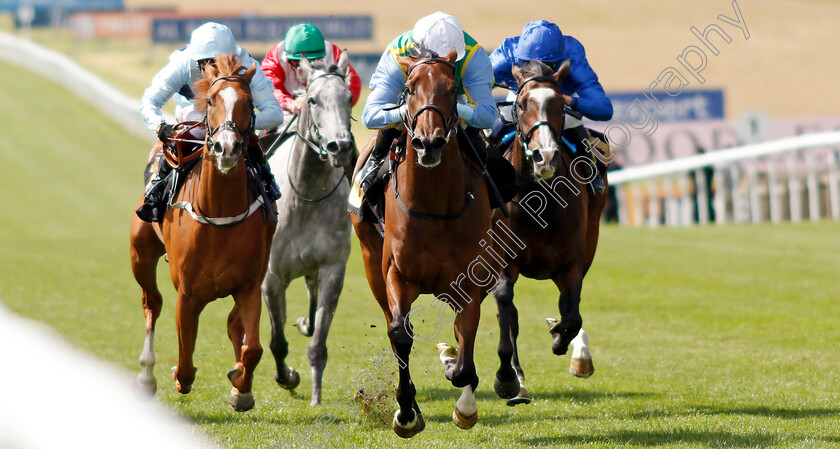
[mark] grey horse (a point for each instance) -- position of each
(313, 229)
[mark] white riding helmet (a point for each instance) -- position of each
(440, 33)
(210, 40)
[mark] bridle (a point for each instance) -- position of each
(525, 136)
(410, 120)
(313, 125)
(228, 125)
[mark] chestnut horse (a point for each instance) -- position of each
(216, 240)
(556, 218)
(436, 212)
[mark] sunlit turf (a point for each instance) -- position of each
(701, 337)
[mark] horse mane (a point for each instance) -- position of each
(537, 68)
(226, 65)
(420, 51)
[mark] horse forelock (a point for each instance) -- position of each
(226, 65)
(420, 51)
(535, 68)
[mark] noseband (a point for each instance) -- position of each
(410, 120)
(228, 125)
(525, 137)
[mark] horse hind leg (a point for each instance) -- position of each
(332, 280)
(146, 250)
(274, 293)
(306, 325)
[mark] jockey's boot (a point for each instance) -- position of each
(154, 205)
(580, 137)
(367, 174)
(266, 178)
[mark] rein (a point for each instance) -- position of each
(451, 124)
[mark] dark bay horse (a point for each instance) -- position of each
(556, 218)
(215, 237)
(437, 211)
(313, 231)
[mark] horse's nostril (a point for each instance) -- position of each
(417, 143)
(333, 147)
(345, 144)
(537, 157)
(217, 148)
(438, 143)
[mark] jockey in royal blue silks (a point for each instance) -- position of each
(543, 41)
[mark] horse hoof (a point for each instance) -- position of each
(241, 402)
(581, 367)
(464, 422)
(293, 380)
(302, 325)
(411, 428)
(183, 389)
(559, 346)
(145, 386)
(506, 390)
(521, 398)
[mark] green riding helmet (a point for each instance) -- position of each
(306, 39)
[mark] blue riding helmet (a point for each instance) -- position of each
(541, 41)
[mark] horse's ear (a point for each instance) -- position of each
(305, 66)
(250, 71)
(405, 62)
(343, 62)
(563, 71)
(517, 74)
(451, 56)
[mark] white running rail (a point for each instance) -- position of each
(63, 70)
(770, 181)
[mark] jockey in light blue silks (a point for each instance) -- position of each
(440, 33)
(543, 41)
(185, 67)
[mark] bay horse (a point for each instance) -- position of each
(216, 241)
(554, 216)
(436, 212)
(313, 231)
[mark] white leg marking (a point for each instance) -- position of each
(466, 403)
(581, 346)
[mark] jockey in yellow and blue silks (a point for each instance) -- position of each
(440, 33)
(543, 41)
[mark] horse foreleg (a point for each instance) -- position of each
(146, 250)
(408, 420)
(242, 376)
(570, 284)
(464, 374)
(274, 292)
(332, 280)
(187, 311)
(506, 384)
(236, 331)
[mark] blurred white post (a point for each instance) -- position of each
(773, 190)
(740, 214)
(721, 193)
(703, 199)
(755, 196)
(621, 198)
(654, 208)
(638, 215)
(671, 203)
(794, 190)
(813, 187)
(686, 201)
(833, 188)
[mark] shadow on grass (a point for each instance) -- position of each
(585, 397)
(783, 413)
(659, 438)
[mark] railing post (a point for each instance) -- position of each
(833, 187)
(813, 187)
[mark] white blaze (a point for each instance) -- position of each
(541, 95)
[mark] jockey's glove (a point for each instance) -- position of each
(165, 132)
